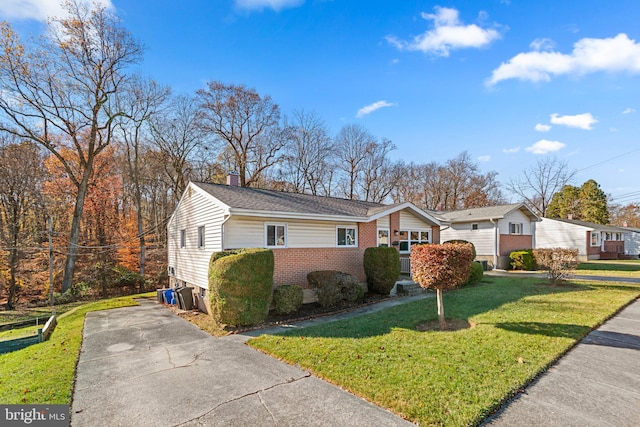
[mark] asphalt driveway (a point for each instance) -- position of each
(145, 366)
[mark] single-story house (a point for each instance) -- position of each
(306, 232)
(593, 241)
(632, 242)
(495, 231)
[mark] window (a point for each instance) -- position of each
(474, 226)
(201, 237)
(276, 235)
(515, 228)
(346, 236)
(619, 236)
(595, 238)
(409, 238)
(183, 238)
(383, 237)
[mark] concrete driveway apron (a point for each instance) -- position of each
(144, 366)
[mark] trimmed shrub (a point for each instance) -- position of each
(477, 273)
(287, 299)
(382, 267)
(473, 248)
(557, 262)
(240, 286)
(334, 287)
(522, 260)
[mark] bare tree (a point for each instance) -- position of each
(352, 145)
(143, 100)
(58, 92)
(539, 183)
(308, 153)
(245, 122)
(21, 174)
(377, 181)
(177, 133)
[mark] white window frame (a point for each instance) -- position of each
(201, 237)
(183, 238)
(595, 234)
(474, 226)
(388, 236)
(347, 227)
(516, 228)
(419, 241)
(266, 234)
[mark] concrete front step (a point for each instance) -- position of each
(409, 288)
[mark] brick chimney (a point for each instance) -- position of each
(233, 179)
(439, 207)
(570, 216)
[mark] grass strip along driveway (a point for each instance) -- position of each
(615, 268)
(519, 327)
(44, 373)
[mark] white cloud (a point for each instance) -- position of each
(368, 109)
(542, 44)
(616, 54)
(511, 150)
(629, 111)
(581, 121)
(484, 159)
(545, 146)
(276, 5)
(542, 128)
(39, 10)
(448, 33)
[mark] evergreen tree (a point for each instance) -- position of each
(593, 203)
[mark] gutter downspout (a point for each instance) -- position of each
(496, 246)
(222, 230)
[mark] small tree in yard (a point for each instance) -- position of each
(444, 266)
(557, 262)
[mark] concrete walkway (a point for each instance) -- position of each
(596, 384)
(145, 366)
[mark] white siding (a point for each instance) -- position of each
(383, 222)
(190, 263)
(248, 232)
(410, 222)
(516, 217)
(558, 234)
(632, 242)
(483, 238)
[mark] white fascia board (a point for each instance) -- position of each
(296, 215)
(407, 205)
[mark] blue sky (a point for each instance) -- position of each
(507, 81)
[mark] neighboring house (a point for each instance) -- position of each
(632, 242)
(495, 231)
(306, 232)
(593, 241)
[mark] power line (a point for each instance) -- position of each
(608, 160)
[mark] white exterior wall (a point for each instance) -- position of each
(632, 243)
(410, 222)
(483, 238)
(383, 222)
(558, 234)
(191, 264)
(249, 232)
(516, 217)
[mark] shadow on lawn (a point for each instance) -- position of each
(460, 304)
(547, 329)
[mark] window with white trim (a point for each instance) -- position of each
(275, 235)
(183, 238)
(474, 226)
(383, 237)
(515, 228)
(408, 238)
(201, 237)
(595, 238)
(346, 236)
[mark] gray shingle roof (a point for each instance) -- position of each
(280, 201)
(478, 214)
(593, 225)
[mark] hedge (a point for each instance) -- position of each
(287, 299)
(382, 268)
(477, 273)
(240, 286)
(522, 260)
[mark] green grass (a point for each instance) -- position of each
(453, 378)
(619, 268)
(44, 373)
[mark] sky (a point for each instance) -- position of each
(508, 81)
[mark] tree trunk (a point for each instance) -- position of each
(443, 324)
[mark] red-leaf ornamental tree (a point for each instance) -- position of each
(444, 266)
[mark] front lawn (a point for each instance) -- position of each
(615, 268)
(519, 326)
(44, 373)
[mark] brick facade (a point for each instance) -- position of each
(513, 242)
